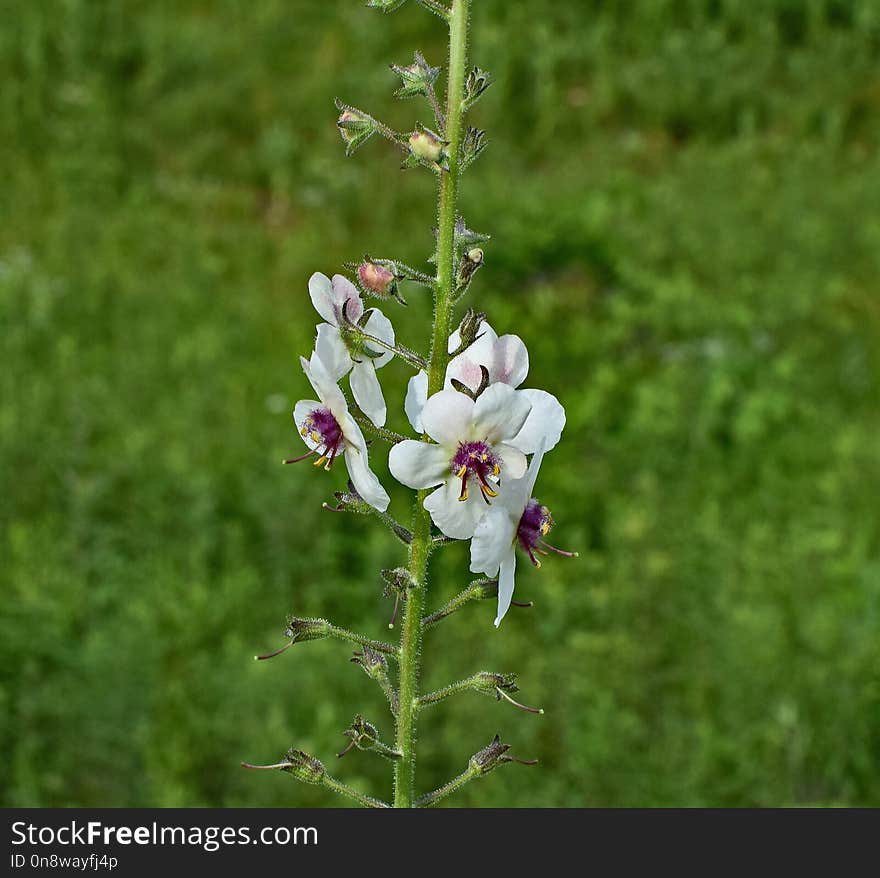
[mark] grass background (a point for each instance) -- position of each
(683, 197)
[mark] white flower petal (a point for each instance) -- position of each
(513, 461)
(534, 467)
(515, 493)
(352, 433)
(331, 351)
(492, 540)
(545, 422)
(510, 361)
(466, 370)
(466, 366)
(418, 464)
(379, 325)
(499, 413)
(456, 518)
(368, 392)
(345, 291)
(325, 386)
(301, 411)
(321, 294)
(365, 481)
(506, 583)
(416, 397)
(447, 417)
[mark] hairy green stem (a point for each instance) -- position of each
(360, 640)
(344, 790)
(420, 548)
(456, 783)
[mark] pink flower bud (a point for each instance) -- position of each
(375, 278)
(426, 145)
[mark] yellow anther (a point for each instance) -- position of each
(496, 470)
(545, 528)
(304, 432)
(320, 461)
(488, 491)
(461, 472)
(464, 494)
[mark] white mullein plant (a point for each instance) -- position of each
(480, 439)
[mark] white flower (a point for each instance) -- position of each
(340, 352)
(515, 517)
(475, 451)
(507, 362)
(328, 429)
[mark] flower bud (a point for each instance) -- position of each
(355, 127)
(374, 663)
(376, 279)
(489, 683)
(303, 767)
(471, 261)
(472, 146)
(364, 734)
(426, 147)
(490, 757)
(469, 332)
(485, 589)
(349, 501)
(417, 78)
(495, 754)
(399, 581)
(465, 237)
(301, 630)
(476, 83)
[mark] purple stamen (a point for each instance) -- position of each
(478, 460)
(558, 551)
(534, 525)
(323, 429)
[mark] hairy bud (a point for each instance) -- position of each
(473, 144)
(426, 148)
(303, 767)
(355, 127)
(301, 630)
(426, 145)
(418, 78)
(470, 263)
(374, 663)
(493, 755)
(477, 82)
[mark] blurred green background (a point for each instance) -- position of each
(684, 198)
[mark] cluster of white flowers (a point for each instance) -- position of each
(482, 427)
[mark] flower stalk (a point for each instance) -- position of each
(420, 548)
(470, 465)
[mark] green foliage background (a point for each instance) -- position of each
(684, 201)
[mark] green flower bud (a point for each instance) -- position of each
(374, 663)
(495, 754)
(426, 146)
(417, 77)
(355, 127)
(304, 767)
(301, 630)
